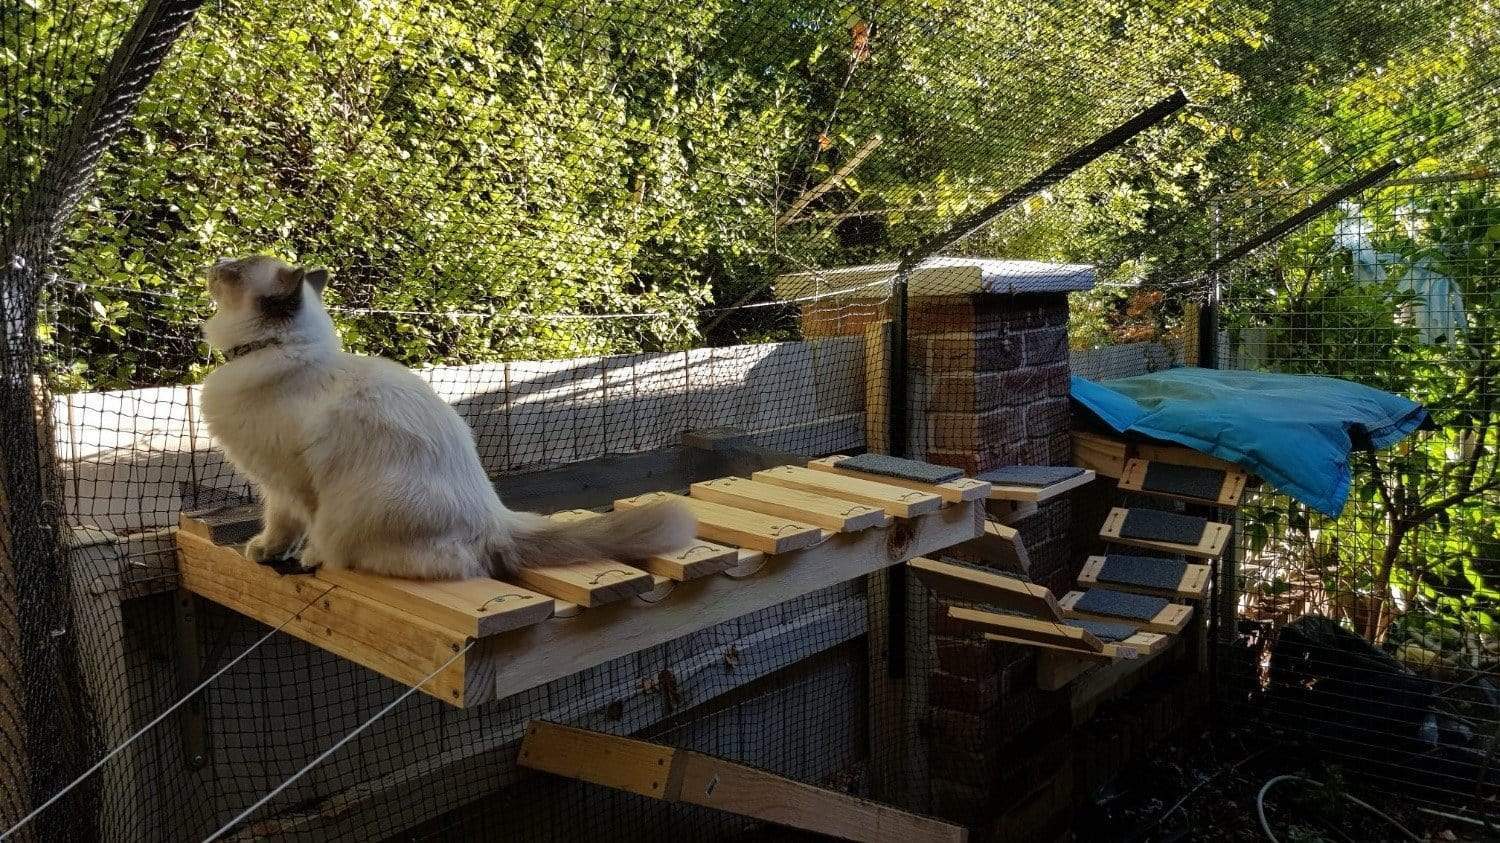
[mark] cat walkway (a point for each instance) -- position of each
(782, 533)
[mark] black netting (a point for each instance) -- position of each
(642, 244)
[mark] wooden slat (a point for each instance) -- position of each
(1002, 492)
(700, 559)
(1230, 492)
(975, 586)
(695, 778)
(1000, 544)
(1170, 620)
(1056, 668)
(895, 500)
(1100, 454)
(739, 527)
(827, 512)
(588, 584)
(1035, 630)
(385, 639)
(954, 491)
(1215, 537)
(1192, 586)
(877, 388)
(473, 608)
(1141, 643)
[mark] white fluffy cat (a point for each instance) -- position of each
(359, 463)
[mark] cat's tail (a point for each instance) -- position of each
(622, 535)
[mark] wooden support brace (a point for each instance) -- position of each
(1212, 543)
(819, 509)
(1171, 619)
(753, 530)
(1001, 545)
(973, 585)
(895, 500)
(1030, 630)
(954, 491)
(676, 775)
(702, 558)
(1100, 454)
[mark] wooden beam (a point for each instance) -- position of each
(1229, 494)
(1034, 494)
(1101, 454)
(676, 775)
(954, 491)
(973, 585)
(1192, 586)
(1170, 620)
(819, 509)
(753, 530)
(1031, 630)
(703, 558)
(1212, 543)
(391, 642)
(895, 500)
(1000, 544)
(877, 387)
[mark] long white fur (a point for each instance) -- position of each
(361, 465)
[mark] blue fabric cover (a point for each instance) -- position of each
(1294, 431)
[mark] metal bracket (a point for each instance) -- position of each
(192, 720)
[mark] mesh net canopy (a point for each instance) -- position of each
(594, 227)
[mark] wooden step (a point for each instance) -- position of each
(1015, 483)
(1000, 544)
(1147, 575)
(820, 509)
(700, 559)
(1211, 542)
(953, 491)
(1031, 630)
(1152, 614)
(588, 584)
(1192, 483)
(974, 585)
(898, 501)
(739, 527)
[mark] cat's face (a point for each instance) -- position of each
(260, 286)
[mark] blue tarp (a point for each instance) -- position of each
(1294, 431)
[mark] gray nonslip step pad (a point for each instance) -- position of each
(1161, 526)
(1189, 481)
(1142, 571)
(1104, 630)
(1120, 604)
(921, 472)
(1034, 476)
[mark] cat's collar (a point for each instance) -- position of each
(250, 347)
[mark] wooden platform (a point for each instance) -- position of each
(1133, 479)
(1036, 494)
(557, 621)
(1193, 585)
(1170, 620)
(1212, 543)
(1108, 456)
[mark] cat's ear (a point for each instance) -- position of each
(318, 278)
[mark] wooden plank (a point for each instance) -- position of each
(535, 655)
(1163, 452)
(1101, 454)
(738, 527)
(695, 778)
(472, 608)
(587, 584)
(1000, 544)
(1002, 492)
(1141, 643)
(625, 764)
(1031, 630)
(954, 491)
(1215, 537)
(702, 559)
(393, 643)
(1056, 669)
(1192, 586)
(877, 387)
(976, 586)
(894, 500)
(1230, 492)
(827, 512)
(1170, 620)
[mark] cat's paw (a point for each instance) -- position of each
(260, 549)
